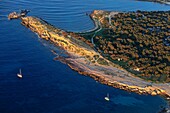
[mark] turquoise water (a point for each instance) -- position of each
(49, 86)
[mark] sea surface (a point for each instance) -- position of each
(49, 86)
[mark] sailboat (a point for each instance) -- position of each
(19, 74)
(107, 97)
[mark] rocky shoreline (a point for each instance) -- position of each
(139, 90)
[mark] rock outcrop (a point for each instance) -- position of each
(15, 15)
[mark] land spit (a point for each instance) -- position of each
(85, 60)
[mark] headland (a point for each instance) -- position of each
(87, 58)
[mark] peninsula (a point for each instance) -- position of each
(111, 54)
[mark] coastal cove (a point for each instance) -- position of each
(50, 86)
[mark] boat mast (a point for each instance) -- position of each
(20, 71)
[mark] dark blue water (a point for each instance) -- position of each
(49, 86)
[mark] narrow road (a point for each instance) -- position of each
(96, 22)
(110, 17)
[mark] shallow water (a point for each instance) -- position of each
(49, 86)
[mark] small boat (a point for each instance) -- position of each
(19, 74)
(107, 97)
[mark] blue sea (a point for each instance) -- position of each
(50, 86)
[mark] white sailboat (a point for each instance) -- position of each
(19, 74)
(107, 97)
